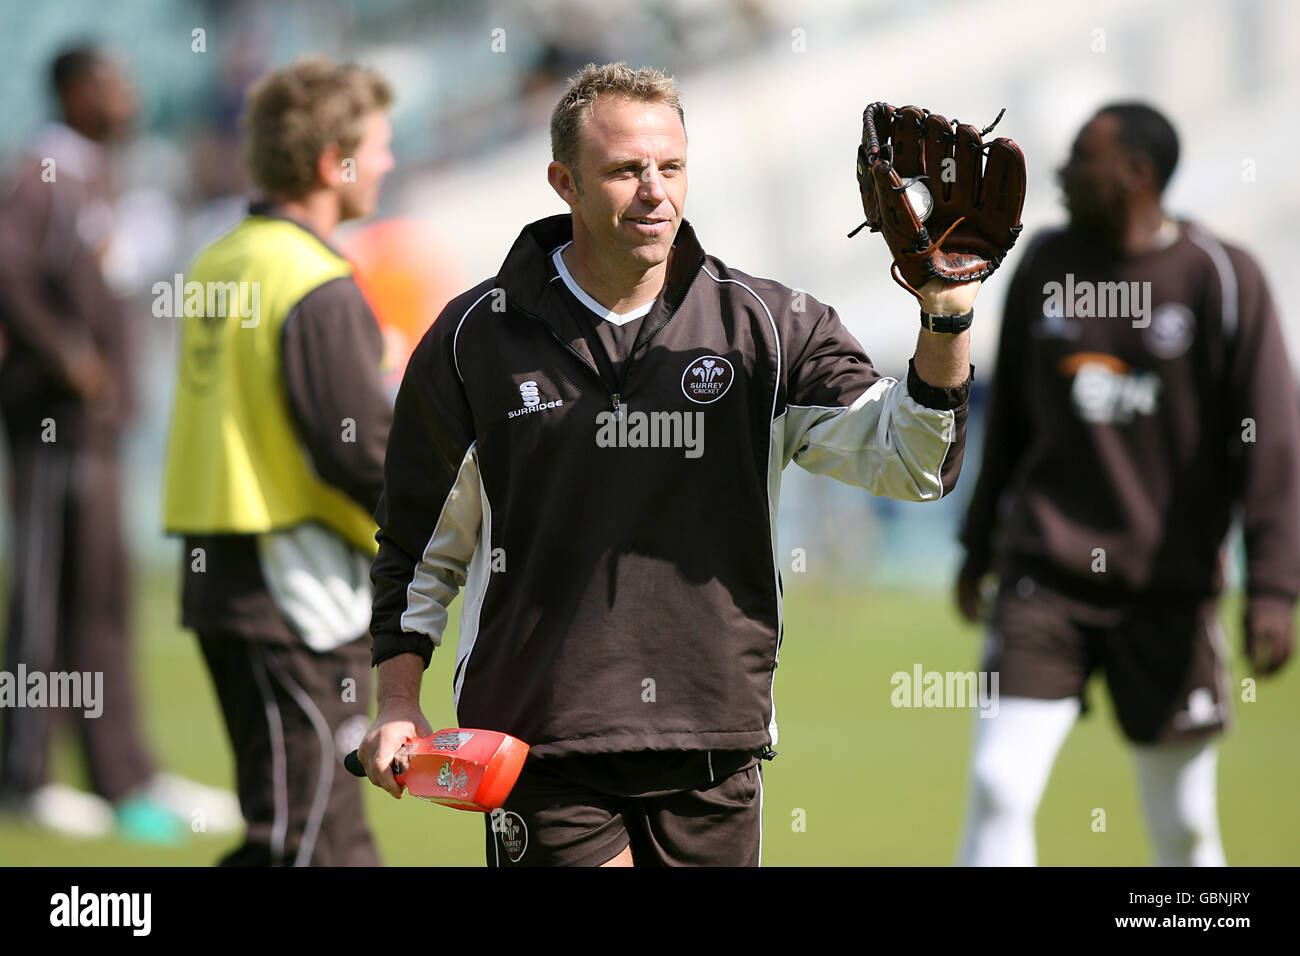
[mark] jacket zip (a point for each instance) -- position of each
(569, 348)
(636, 346)
(616, 398)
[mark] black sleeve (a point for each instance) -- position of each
(902, 445)
(331, 351)
(430, 516)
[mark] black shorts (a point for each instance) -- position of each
(585, 810)
(1164, 659)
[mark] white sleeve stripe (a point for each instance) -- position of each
(1227, 277)
(829, 408)
(773, 494)
(776, 335)
(456, 338)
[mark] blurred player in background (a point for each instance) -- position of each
(275, 464)
(66, 394)
(1142, 393)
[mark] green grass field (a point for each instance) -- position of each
(875, 784)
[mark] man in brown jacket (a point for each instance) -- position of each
(65, 397)
(1142, 393)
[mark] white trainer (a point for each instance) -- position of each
(184, 797)
(70, 811)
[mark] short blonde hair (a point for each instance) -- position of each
(645, 83)
(293, 114)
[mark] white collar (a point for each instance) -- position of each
(79, 156)
(588, 301)
(1167, 235)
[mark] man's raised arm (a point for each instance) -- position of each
(844, 419)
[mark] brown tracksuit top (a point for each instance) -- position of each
(621, 584)
(1139, 434)
(54, 302)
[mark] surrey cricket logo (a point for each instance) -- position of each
(514, 834)
(1172, 328)
(707, 379)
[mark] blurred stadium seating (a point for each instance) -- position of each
(773, 99)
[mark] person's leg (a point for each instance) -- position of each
(35, 639)
(41, 474)
(1013, 757)
(283, 707)
(1037, 650)
(1168, 676)
(1178, 788)
(331, 693)
(550, 819)
(96, 601)
(255, 727)
(623, 859)
(720, 824)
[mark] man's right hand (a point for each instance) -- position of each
(398, 719)
(1269, 628)
(88, 377)
(970, 596)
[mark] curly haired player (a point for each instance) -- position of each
(275, 463)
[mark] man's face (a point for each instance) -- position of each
(358, 187)
(632, 179)
(1099, 176)
(102, 105)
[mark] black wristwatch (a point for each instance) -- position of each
(950, 324)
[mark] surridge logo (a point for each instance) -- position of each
(707, 379)
(532, 400)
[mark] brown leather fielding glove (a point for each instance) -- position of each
(977, 190)
(1269, 634)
